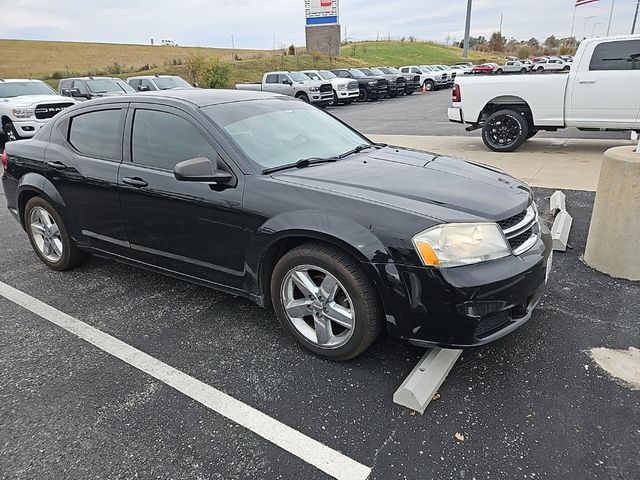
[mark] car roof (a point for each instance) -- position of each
(9, 80)
(199, 97)
(90, 78)
(150, 76)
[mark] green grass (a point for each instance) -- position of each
(36, 59)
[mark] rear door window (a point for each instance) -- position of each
(98, 134)
(622, 55)
(272, 78)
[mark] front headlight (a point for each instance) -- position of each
(23, 112)
(342, 87)
(457, 244)
(373, 83)
(314, 89)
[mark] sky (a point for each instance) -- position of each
(265, 23)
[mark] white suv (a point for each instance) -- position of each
(27, 105)
(152, 83)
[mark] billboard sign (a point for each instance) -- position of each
(321, 12)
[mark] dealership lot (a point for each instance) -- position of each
(532, 405)
(426, 114)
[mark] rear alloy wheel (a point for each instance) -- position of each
(324, 299)
(505, 131)
(10, 132)
(429, 86)
(49, 237)
(523, 70)
(334, 100)
(363, 96)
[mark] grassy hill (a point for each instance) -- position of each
(44, 60)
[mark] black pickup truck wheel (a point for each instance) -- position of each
(505, 131)
(363, 95)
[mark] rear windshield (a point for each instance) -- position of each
(15, 89)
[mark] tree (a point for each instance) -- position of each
(524, 51)
(552, 42)
(216, 74)
(195, 66)
(533, 43)
(497, 42)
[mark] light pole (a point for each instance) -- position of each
(633, 29)
(613, 4)
(467, 29)
(584, 29)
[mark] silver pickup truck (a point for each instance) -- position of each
(294, 84)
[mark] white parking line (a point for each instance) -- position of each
(314, 453)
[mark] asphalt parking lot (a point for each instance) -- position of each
(532, 405)
(426, 114)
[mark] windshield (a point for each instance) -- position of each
(167, 83)
(393, 70)
(299, 77)
(327, 75)
(15, 89)
(366, 71)
(356, 73)
(426, 68)
(109, 85)
(276, 132)
(376, 71)
(386, 70)
(313, 75)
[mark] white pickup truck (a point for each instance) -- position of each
(600, 92)
(294, 84)
(26, 106)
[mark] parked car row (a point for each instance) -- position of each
(538, 65)
(338, 86)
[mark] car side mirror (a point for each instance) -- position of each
(72, 92)
(286, 81)
(200, 169)
(143, 88)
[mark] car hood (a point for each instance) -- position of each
(28, 100)
(433, 186)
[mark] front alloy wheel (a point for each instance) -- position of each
(326, 301)
(10, 132)
(318, 306)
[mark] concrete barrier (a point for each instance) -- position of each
(613, 244)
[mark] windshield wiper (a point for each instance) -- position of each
(358, 149)
(305, 162)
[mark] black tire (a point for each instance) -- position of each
(410, 92)
(369, 317)
(334, 102)
(429, 86)
(363, 96)
(303, 97)
(523, 70)
(347, 102)
(505, 131)
(566, 68)
(10, 132)
(72, 256)
(532, 133)
(540, 69)
(499, 71)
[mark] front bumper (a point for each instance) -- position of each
(28, 128)
(465, 306)
(324, 98)
(348, 94)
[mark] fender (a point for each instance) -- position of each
(354, 238)
(38, 183)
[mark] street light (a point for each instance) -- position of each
(584, 29)
(467, 29)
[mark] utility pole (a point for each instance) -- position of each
(584, 29)
(613, 4)
(501, 18)
(467, 29)
(635, 19)
(233, 49)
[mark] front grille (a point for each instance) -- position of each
(49, 110)
(512, 221)
(444, 76)
(353, 86)
(382, 82)
(492, 322)
(521, 230)
(416, 79)
(401, 80)
(326, 87)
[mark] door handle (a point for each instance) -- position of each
(56, 165)
(135, 182)
(586, 81)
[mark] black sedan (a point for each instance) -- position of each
(269, 198)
